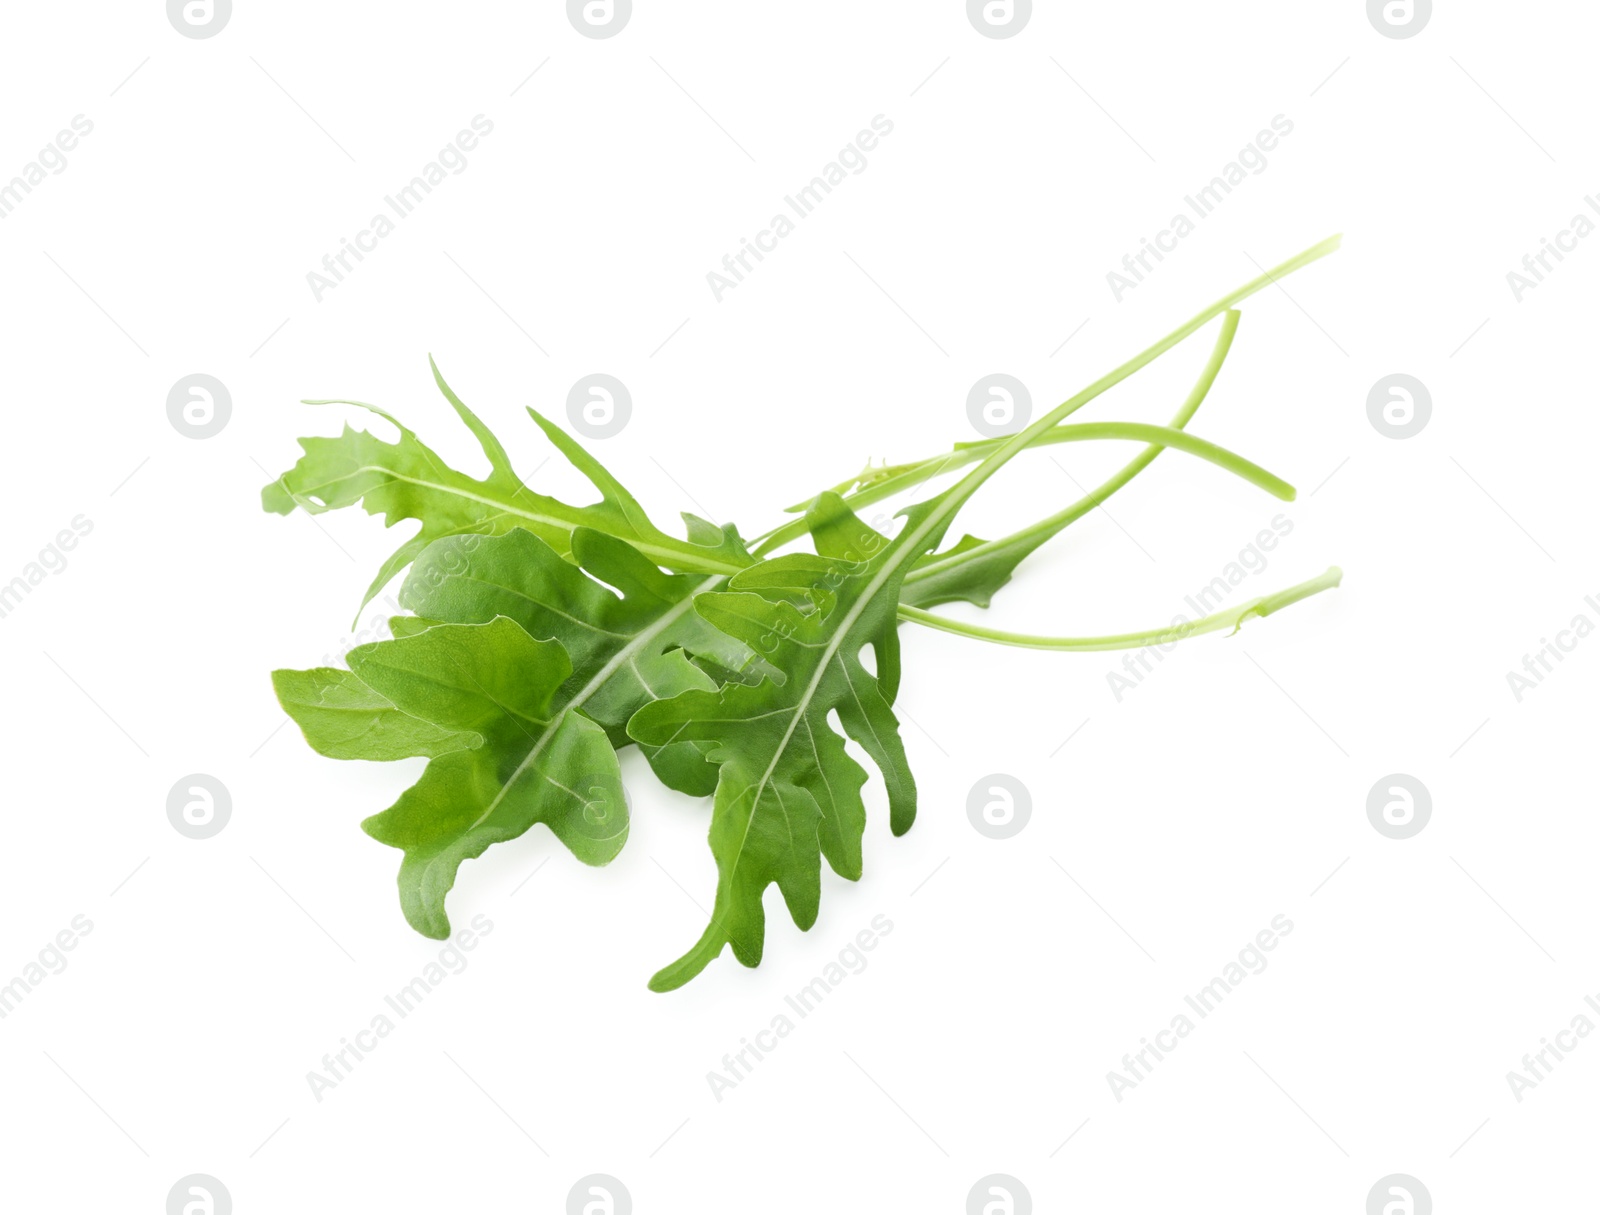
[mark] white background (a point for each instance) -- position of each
(1221, 792)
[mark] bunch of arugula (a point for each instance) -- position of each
(543, 637)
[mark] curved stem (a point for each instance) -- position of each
(1158, 437)
(973, 481)
(904, 476)
(1161, 437)
(1030, 537)
(1235, 617)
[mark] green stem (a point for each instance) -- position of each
(1159, 438)
(1234, 617)
(1029, 538)
(969, 485)
(893, 480)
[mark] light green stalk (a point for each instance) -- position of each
(1029, 538)
(1233, 617)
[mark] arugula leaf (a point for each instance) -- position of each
(788, 794)
(343, 718)
(637, 642)
(516, 678)
(408, 480)
(547, 636)
(538, 760)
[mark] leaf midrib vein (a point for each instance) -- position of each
(908, 542)
(617, 660)
(644, 546)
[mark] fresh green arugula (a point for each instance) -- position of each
(516, 679)
(788, 794)
(406, 479)
(543, 637)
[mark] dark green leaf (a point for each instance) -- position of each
(540, 760)
(788, 793)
